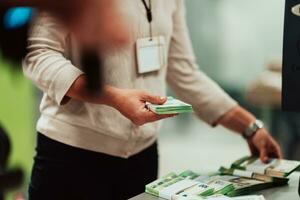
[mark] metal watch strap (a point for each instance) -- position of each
(252, 129)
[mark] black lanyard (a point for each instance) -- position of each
(149, 15)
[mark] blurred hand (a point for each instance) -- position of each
(132, 104)
(263, 145)
(95, 23)
(99, 23)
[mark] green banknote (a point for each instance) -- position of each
(189, 174)
(172, 106)
(193, 197)
(232, 182)
(251, 197)
(214, 182)
(274, 168)
(157, 186)
(192, 190)
(201, 189)
(252, 175)
(244, 186)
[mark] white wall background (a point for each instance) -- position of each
(234, 39)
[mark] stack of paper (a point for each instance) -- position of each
(172, 106)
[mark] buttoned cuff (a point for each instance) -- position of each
(62, 82)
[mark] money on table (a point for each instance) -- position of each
(279, 168)
(227, 183)
(251, 197)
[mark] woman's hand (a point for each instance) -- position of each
(132, 104)
(263, 145)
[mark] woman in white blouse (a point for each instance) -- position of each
(103, 147)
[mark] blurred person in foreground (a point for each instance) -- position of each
(86, 19)
(95, 24)
(103, 146)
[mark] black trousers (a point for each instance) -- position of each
(62, 172)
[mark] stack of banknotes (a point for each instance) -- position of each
(245, 176)
(172, 106)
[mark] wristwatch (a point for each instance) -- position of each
(252, 129)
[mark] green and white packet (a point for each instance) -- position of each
(171, 106)
(169, 185)
(220, 186)
(157, 186)
(250, 197)
(195, 197)
(201, 189)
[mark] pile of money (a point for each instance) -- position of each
(222, 197)
(242, 185)
(252, 197)
(273, 168)
(229, 185)
(188, 186)
(195, 197)
(172, 106)
(226, 183)
(219, 186)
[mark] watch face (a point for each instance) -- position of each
(259, 124)
(253, 128)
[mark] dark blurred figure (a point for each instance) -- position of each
(95, 22)
(83, 18)
(9, 178)
(97, 25)
(13, 35)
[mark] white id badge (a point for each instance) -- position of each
(151, 54)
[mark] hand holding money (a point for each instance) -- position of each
(132, 104)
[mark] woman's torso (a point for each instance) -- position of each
(120, 70)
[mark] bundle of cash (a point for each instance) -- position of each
(174, 187)
(219, 186)
(243, 186)
(217, 197)
(253, 175)
(195, 197)
(235, 181)
(250, 174)
(156, 187)
(273, 168)
(252, 197)
(188, 185)
(172, 106)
